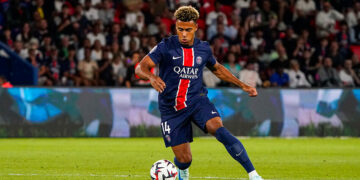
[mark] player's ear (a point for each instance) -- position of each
(196, 26)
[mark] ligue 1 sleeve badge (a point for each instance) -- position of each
(198, 60)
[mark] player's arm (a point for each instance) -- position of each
(224, 74)
(143, 71)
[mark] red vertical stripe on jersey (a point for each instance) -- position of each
(181, 95)
(188, 57)
(184, 84)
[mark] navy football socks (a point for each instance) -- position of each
(234, 147)
(180, 165)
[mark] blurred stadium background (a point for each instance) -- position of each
(67, 70)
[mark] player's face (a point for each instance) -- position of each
(186, 32)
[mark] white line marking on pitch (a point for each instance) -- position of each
(111, 175)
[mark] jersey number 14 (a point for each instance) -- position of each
(165, 127)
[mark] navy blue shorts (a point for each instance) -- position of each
(176, 128)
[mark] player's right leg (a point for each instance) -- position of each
(182, 160)
(177, 134)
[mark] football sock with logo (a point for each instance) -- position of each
(180, 165)
(234, 147)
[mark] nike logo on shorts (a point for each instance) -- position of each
(213, 112)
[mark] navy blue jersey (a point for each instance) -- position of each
(181, 68)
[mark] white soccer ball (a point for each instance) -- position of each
(163, 170)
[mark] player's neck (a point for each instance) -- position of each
(188, 45)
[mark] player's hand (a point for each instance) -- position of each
(250, 90)
(157, 83)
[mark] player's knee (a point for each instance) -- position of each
(213, 125)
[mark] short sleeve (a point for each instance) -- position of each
(211, 61)
(157, 52)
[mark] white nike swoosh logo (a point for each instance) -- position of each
(176, 57)
(212, 112)
(239, 153)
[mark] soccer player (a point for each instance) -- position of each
(182, 96)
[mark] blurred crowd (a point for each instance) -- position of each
(284, 43)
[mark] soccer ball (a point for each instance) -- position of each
(163, 170)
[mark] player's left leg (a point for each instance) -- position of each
(182, 159)
(235, 148)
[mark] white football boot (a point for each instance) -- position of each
(184, 174)
(256, 178)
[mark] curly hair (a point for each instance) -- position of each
(186, 14)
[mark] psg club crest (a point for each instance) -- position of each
(198, 60)
(168, 138)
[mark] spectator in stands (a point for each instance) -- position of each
(63, 21)
(304, 8)
(233, 29)
(218, 51)
(326, 20)
(53, 66)
(232, 65)
(243, 40)
(290, 41)
(356, 65)
(106, 13)
(328, 76)
(348, 76)
(33, 59)
(79, 16)
(337, 55)
(252, 15)
(352, 15)
(88, 70)
(281, 57)
(242, 4)
(91, 13)
(96, 51)
(310, 65)
(105, 69)
(64, 52)
(42, 30)
(301, 47)
(211, 18)
(249, 75)
(343, 36)
(97, 34)
(6, 37)
(257, 40)
(132, 37)
(212, 30)
(18, 48)
(43, 72)
(266, 13)
(131, 79)
(119, 71)
(68, 69)
(81, 52)
(221, 37)
(134, 18)
(46, 45)
(355, 33)
(114, 35)
(279, 78)
(296, 76)
(5, 83)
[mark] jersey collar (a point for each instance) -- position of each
(196, 41)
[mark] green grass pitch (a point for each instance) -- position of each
(117, 158)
